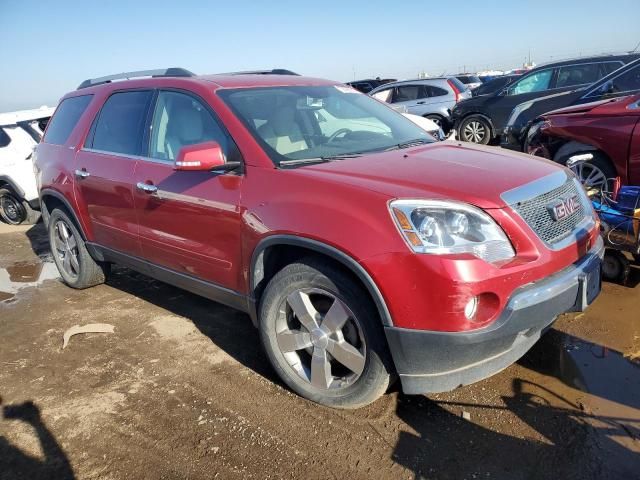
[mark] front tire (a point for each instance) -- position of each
(16, 211)
(594, 173)
(323, 335)
(76, 266)
(475, 129)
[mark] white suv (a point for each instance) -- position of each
(19, 133)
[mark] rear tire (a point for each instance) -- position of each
(615, 266)
(475, 129)
(14, 210)
(76, 266)
(438, 120)
(323, 336)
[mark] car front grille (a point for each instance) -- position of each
(538, 216)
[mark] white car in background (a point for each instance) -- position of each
(428, 125)
(19, 133)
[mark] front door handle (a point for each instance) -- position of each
(82, 173)
(146, 187)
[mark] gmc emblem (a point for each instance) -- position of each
(563, 207)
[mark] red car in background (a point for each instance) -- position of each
(598, 141)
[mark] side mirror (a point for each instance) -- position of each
(607, 88)
(201, 157)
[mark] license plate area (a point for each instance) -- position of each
(589, 285)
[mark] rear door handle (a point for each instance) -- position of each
(82, 173)
(146, 187)
(421, 103)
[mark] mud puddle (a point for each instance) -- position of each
(20, 275)
(602, 385)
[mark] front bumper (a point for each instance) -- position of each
(433, 361)
(511, 140)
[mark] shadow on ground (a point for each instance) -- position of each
(15, 463)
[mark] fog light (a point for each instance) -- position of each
(471, 307)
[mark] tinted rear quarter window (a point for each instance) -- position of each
(65, 119)
(119, 127)
(432, 91)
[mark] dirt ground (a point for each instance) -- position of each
(181, 389)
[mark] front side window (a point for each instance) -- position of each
(536, 82)
(300, 123)
(180, 120)
(629, 81)
(383, 95)
(120, 124)
(66, 118)
(4, 138)
(573, 75)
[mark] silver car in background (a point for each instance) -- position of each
(431, 98)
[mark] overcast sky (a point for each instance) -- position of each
(48, 48)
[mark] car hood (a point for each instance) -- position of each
(474, 174)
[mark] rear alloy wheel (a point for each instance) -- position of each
(76, 266)
(475, 130)
(323, 337)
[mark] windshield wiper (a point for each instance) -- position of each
(303, 161)
(341, 156)
(410, 143)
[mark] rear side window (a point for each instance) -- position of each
(572, 75)
(4, 138)
(609, 67)
(120, 124)
(65, 119)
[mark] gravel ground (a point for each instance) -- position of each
(181, 389)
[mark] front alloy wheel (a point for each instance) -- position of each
(320, 338)
(323, 336)
(475, 130)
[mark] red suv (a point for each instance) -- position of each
(361, 248)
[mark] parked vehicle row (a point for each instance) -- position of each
(19, 134)
(622, 82)
(482, 119)
(362, 249)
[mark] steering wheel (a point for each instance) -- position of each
(337, 133)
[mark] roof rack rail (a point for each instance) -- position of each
(167, 72)
(273, 71)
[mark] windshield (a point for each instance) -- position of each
(297, 123)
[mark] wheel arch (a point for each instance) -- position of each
(50, 199)
(276, 251)
(571, 147)
(8, 181)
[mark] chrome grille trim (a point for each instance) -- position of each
(530, 203)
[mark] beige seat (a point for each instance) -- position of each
(282, 132)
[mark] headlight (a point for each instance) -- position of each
(517, 111)
(444, 227)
